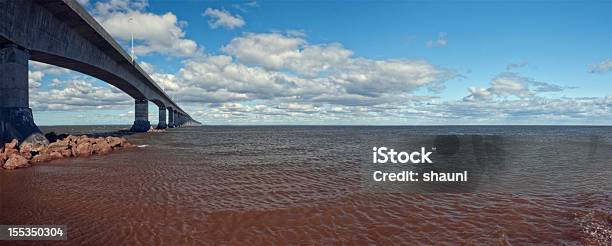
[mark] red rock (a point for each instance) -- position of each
(38, 148)
(25, 151)
(62, 144)
(83, 139)
(102, 148)
(66, 153)
(59, 148)
(26, 155)
(41, 158)
(71, 139)
(115, 141)
(73, 150)
(11, 145)
(9, 152)
(15, 161)
(55, 155)
(83, 150)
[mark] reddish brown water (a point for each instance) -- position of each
(193, 186)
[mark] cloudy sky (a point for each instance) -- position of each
(297, 62)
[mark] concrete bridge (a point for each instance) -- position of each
(62, 33)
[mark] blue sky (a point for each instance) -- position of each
(320, 62)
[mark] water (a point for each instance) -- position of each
(302, 184)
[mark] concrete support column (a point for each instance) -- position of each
(162, 118)
(16, 120)
(177, 119)
(141, 124)
(171, 123)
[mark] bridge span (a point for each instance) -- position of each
(62, 33)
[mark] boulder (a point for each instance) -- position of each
(115, 141)
(41, 158)
(26, 151)
(15, 161)
(61, 144)
(8, 152)
(102, 148)
(71, 139)
(83, 149)
(11, 145)
(66, 153)
(55, 155)
(38, 148)
(83, 139)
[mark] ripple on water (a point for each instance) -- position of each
(278, 185)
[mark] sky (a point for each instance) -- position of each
(350, 63)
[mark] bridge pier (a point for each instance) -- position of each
(162, 118)
(180, 119)
(177, 119)
(141, 113)
(16, 120)
(170, 118)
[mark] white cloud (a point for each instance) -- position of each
(603, 67)
(276, 51)
(512, 84)
(441, 41)
(269, 50)
(168, 82)
(478, 94)
(49, 69)
(104, 8)
(35, 78)
(222, 18)
(152, 32)
(273, 66)
(77, 94)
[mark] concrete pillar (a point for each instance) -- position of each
(141, 113)
(16, 120)
(171, 123)
(177, 119)
(162, 118)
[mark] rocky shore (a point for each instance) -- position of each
(13, 156)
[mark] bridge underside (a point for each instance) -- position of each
(62, 33)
